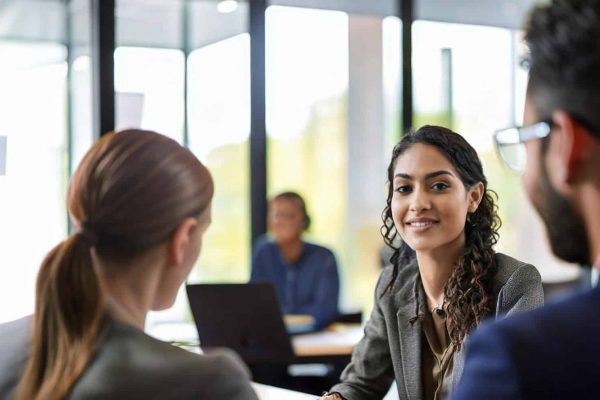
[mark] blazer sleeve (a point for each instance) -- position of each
(522, 292)
(370, 372)
(490, 372)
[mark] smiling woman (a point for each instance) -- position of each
(439, 203)
(428, 193)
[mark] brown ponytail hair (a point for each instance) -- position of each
(129, 194)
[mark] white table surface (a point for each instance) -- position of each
(187, 331)
(265, 392)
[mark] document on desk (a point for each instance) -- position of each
(330, 342)
(265, 392)
(299, 323)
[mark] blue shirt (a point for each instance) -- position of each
(308, 286)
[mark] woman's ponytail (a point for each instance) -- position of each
(67, 323)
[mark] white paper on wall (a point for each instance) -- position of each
(2, 155)
(129, 110)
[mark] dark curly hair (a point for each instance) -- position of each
(563, 39)
(468, 292)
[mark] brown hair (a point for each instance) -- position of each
(129, 194)
(468, 292)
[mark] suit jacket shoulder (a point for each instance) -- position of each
(549, 353)
(132, 365)
(404, 284)
(507, 266)
(517, 286)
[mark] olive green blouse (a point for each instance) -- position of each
(437, 353)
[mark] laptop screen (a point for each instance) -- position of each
(243, 317)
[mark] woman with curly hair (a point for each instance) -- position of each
(425, 306)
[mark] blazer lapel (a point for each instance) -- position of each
(410, 344)
(458, 364)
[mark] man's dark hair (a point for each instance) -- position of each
(563, 38)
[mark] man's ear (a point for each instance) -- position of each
(573, 142)
(180, 240)
(475, 196)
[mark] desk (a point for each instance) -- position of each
(336, 341)
(331, 348)
(265, 392)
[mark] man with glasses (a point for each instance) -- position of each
(554, 352)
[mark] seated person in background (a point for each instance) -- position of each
(438, 201)
(141, 204)
(305, 275)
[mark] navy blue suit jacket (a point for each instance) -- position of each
(549, 353)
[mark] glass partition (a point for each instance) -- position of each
(149, 90)
(157, 41)
(33, 101)
(219, 117)
(331, 119)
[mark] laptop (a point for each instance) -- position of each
(243, 317)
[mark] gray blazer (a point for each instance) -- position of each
(14, 350)
(132, 365)
(391, 346)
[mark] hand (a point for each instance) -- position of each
(333, 396)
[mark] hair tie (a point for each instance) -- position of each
(88, 235)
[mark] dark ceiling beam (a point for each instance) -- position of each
(406, 14)
(103, 64)
(258, 128)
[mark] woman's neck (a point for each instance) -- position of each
(126, 312)
(291, 250)
(129, 290)
(436, 267)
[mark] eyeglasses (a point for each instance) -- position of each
(510, 143)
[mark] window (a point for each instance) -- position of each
(32, 193)
(157, 41)
(467, 77)
(328, 131)
(219, 115)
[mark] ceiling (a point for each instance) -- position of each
(158, 23)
